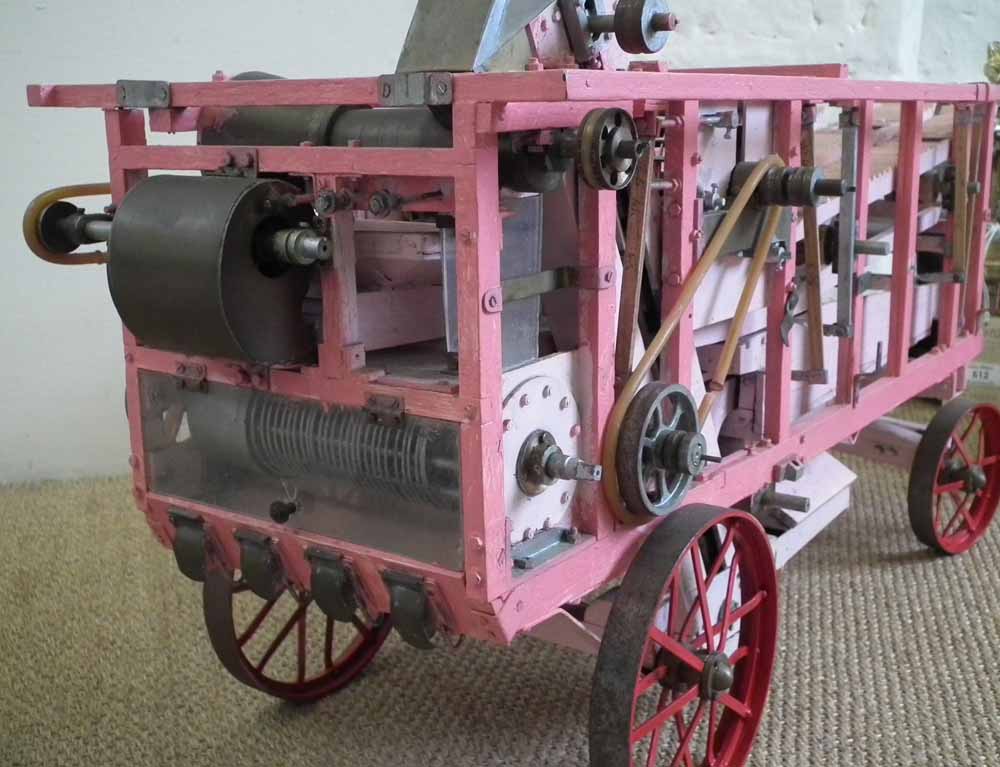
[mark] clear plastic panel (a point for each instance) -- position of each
(395, 488)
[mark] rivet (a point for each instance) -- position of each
(546, 392)
(564, 403)
(508, 424)
(575, 431)
(524, 401)
(477, 543)
(564, 498)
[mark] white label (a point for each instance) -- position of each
(984, 374)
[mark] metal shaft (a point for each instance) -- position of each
(300, 247)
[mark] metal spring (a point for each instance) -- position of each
(294, 439)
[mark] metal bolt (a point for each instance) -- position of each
(477, 543)
(665, 22)
(674, 279)
(546, 392)
(575, 431)
(564, 499)
(564, 403)
(675, 209)
(508, 425)
(524, 401)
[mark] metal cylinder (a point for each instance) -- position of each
(191, 269)
(300, 247)
(292, 439)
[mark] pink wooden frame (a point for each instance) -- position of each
(485, 600)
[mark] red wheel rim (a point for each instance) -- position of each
(286, 646)
(967, 481)
(696, 697)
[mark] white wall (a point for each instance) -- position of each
(62, 385)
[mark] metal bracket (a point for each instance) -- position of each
(410, 610)
(868, 281)
(192, 377)
(189, 544)
(545, 545)
(241, 162)
(416, 89)
(595, 278)
(850, 125)
(332, 585)
(260, 565)
(791, 304)
(143, 94)
(385, 410)
(941, 278)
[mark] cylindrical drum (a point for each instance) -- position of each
(191, 269)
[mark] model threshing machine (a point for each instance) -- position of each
(530, 338)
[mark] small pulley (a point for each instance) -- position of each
(660, 450)
(609, 148)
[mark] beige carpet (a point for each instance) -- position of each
(888, 656)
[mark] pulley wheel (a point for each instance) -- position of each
(609, 148)
(286, 647)
(955, 479)
(638, 26)
(660, 450)
(684, 669)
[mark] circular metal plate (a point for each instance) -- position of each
(540, 403)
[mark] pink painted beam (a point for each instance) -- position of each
(778, 375)
(225, 93)
(905, 248)
(478, 242)
(981, 217)
(680, 235)
(850, 350)
(443, 163)
(530, 115)
(598, 330)
(805, 70)
(584, 85)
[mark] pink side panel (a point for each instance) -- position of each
(777, 404)
(850, 349)
(680, 235)
(905, 248)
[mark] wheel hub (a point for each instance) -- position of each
(717, 677)
(975, 479)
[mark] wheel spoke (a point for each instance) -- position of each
(951, 487)
(741, 654)
(654, 742)
(728, 606)
(282, 635)
(328, 644)
(713, 723)
(302, 650)
(359, 624)
(966, 455)
(675, 648)
(257, 620)
(720, 560)
(684, 750)
(664, 715)
(734, 617)
(699, 580)
(740, 709)
(959, 515)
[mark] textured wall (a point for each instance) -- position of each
(62, 385)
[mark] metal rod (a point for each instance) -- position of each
(846, 256)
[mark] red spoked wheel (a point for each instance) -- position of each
(955, 479)
(666, 690)
(286, 646)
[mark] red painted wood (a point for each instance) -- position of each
(778, 374)
(341, 353)
(904, 260)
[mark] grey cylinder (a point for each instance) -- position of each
(189, 269)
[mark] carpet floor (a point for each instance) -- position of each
(888, 656)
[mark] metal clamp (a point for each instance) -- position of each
(416, 89)
(143, 94)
